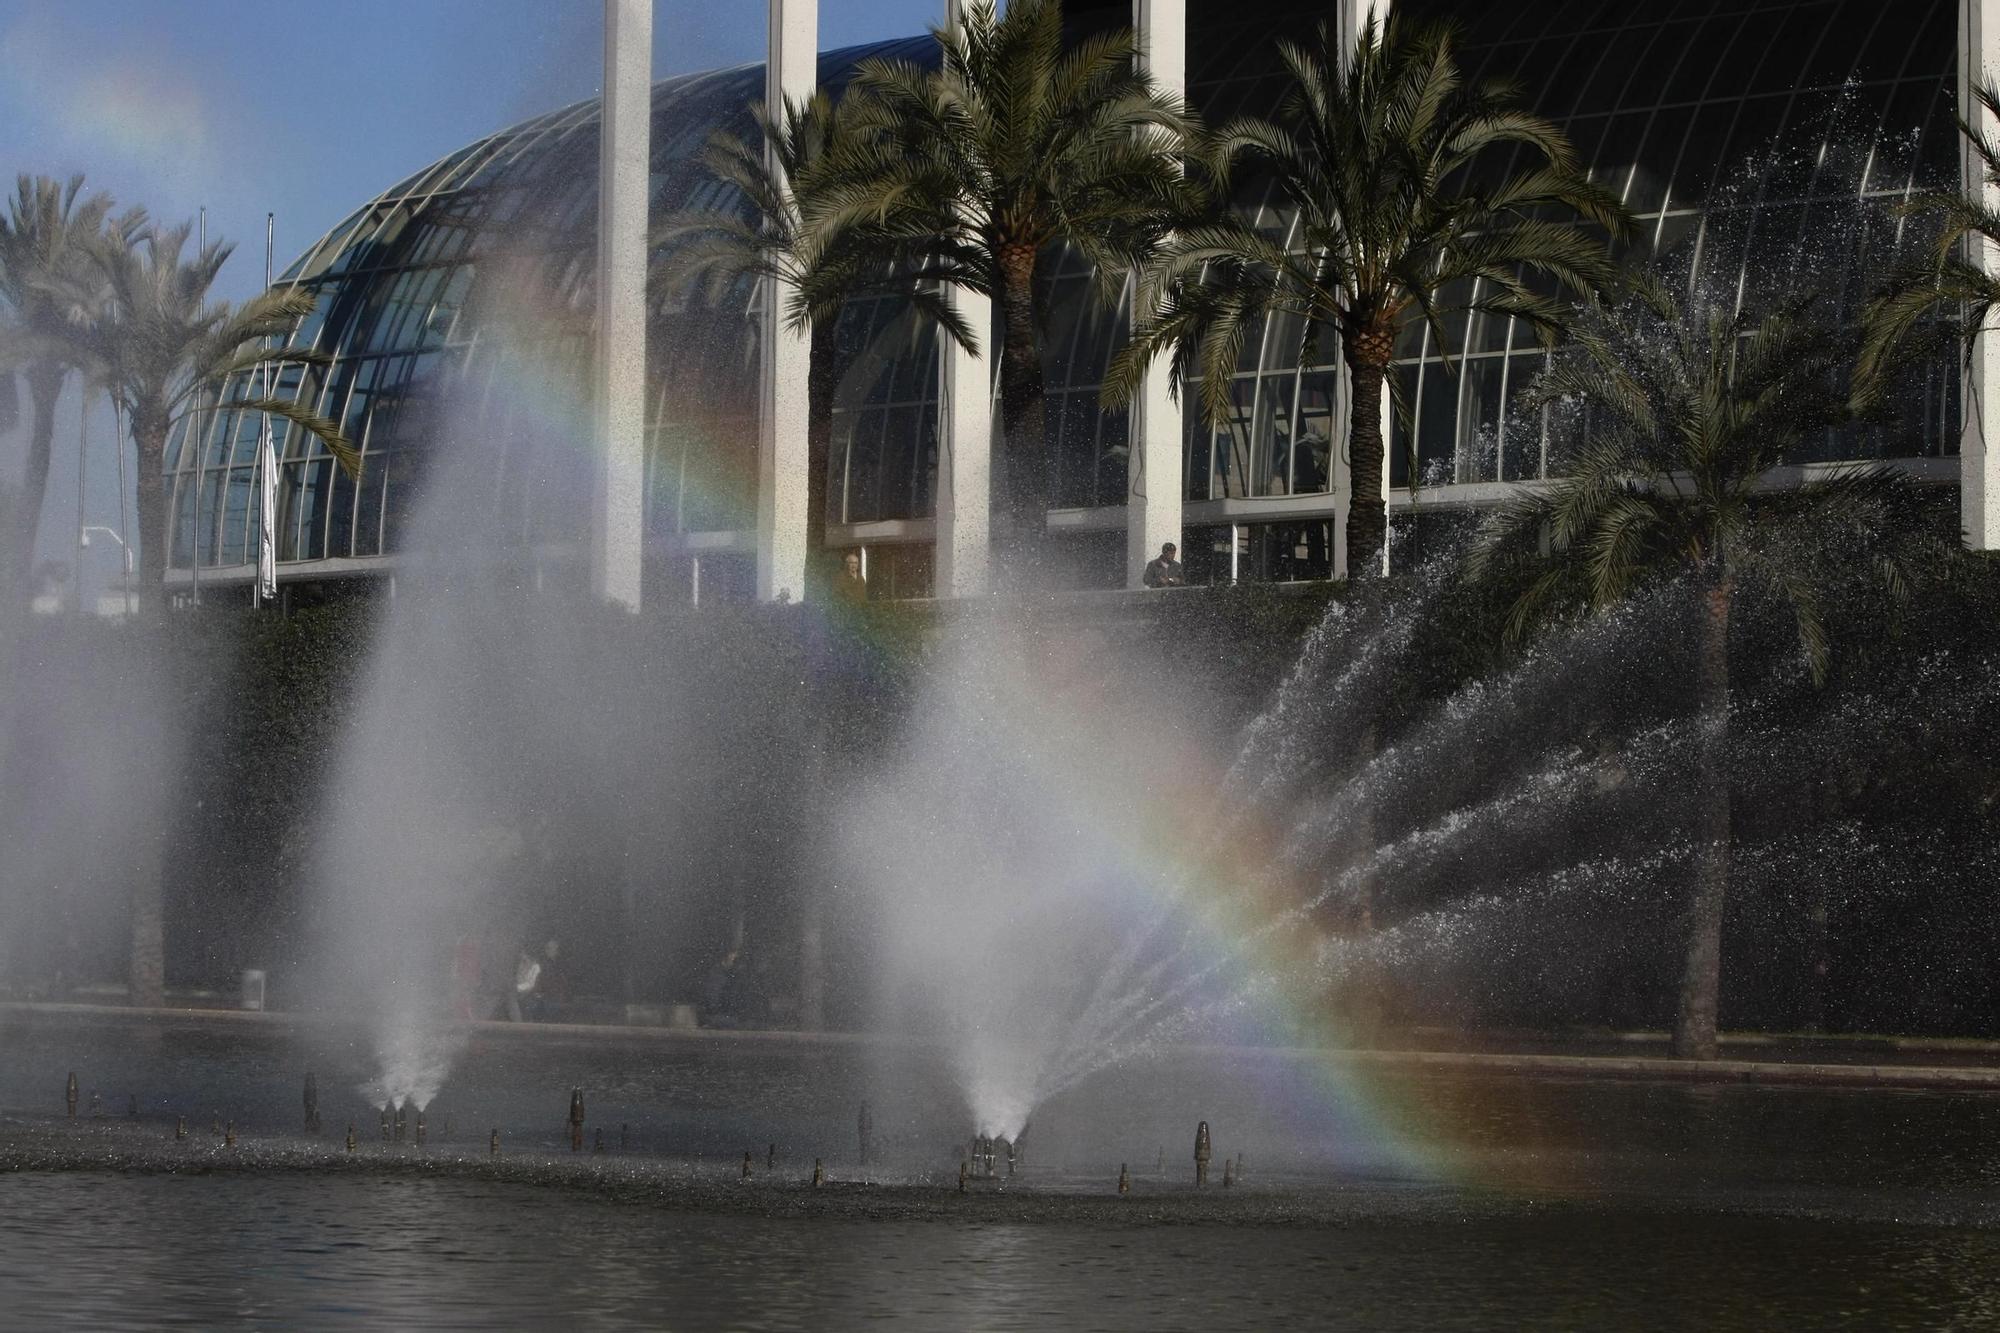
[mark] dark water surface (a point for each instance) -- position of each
(102, 1250)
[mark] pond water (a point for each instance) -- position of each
(129, 1251)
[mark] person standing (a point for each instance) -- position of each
(850, 586)
(1165, 572)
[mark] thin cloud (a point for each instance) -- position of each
(87, 97)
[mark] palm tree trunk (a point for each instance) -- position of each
(44, 388)
(149, 442)
(1024, 508)
(1701, 985)
(147, 977)
(822, 380)
(1368, 354)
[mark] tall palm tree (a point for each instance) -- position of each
(818, 270)
(160, 344)
(1015, 145)
(1386, 155)
(1664, 424)
(1947, 291)
(47, 238)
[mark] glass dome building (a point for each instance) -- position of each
(1764, 141)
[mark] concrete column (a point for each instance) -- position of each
(790, 71)
(1153, 498)
(617, 541)
(1352, 16)
(964, 500)
(1979, 391)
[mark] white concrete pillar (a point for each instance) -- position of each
(617, 542)
(1153, 497)
(791, 70)
(1353, 16)
(1979, 390)
(964, 500)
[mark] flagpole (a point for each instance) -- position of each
(199, 438)
(124, 544)
(267, 464)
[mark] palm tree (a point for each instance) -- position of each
(160, 344)
(1664, 424)
(1013, 146)
(1385, 158)
(1902, 323)
(819, 270)
(47, 239)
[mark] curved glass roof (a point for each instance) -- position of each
(1762, 142)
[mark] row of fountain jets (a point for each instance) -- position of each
(981, 1161)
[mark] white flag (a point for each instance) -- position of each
(267, 497)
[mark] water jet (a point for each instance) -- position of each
(1202, 1151)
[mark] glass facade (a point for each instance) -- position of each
(1762, 143)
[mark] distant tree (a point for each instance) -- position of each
(1384, 152)
(1665, 423)
(819, 271)
(158, 345)
(50, 288)
(1018, 143)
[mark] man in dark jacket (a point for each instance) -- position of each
(1165, 572)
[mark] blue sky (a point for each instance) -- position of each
(307, 108)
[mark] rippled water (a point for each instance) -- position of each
(113, 1251)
